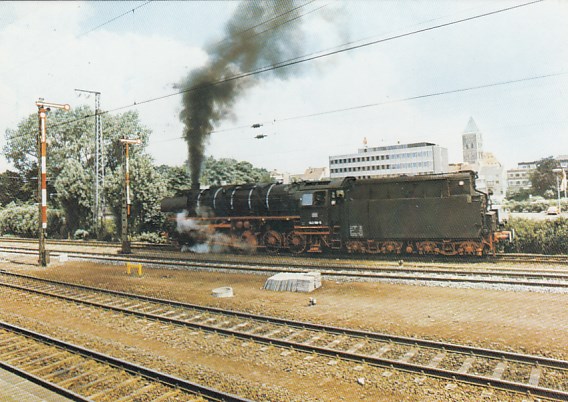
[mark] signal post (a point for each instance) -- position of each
(126, 194)
(43, 108)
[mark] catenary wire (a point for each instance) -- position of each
(55, 49)
(407, 99)
(291, 62)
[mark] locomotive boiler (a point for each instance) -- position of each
(424, 214)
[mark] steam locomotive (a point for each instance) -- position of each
(424, 214)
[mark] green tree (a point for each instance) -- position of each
(543, 178)
(71, 136)
(147, 188)
(177, 179)
(15, 187)
(74, 194)
(230, 171)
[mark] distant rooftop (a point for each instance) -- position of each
(398, 146)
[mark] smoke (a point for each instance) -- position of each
(204, 238)
(250, 44)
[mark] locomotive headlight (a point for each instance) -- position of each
(461, 183)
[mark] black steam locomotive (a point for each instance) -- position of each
(425, 214)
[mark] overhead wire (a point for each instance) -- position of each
(114, 19)
(265, 22)
(274, 18)
(57, 48)
(295, 61)
(407, 99)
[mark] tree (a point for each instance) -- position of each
(229, 171)
(70, 136)
(74, 195)
(177, 179)
(147, 188)
(15, 187)
(543, 178)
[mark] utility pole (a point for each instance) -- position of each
(98, 207)
(43, 107)
(126, 194)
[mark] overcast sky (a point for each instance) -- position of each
(47, 49)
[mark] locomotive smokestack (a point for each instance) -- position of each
(195, 185)
(211, 91)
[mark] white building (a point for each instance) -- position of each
(418, 158)
(311, 174)
(491, 175)
(519, 179)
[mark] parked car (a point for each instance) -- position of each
(553, 211)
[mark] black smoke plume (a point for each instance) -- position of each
(259, 34)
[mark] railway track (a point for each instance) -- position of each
(521, 258)
(540, 376)
(531, 278)
(82, 374)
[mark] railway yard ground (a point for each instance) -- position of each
(517, 321)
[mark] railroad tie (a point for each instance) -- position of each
(123, 384)
(381, 351)
(137, 393)
(273, 332)
(499, 370)
(42, 358)
(312, 340)
(256, 330)
(356, 347)
(66, 383)
(59, 363)
(335, 342)
(294, 335)
(239, 326)
(436, 360)
(466, 365)
(408, 355)
(535, 376)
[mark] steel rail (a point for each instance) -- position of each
(433, 371)
(456, 269)
(479, 277)
(513, 257)
(206, 392)
(44, 383)
(329, 263)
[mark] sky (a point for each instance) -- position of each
(425, 68)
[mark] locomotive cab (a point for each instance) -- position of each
(321, 202)
(314, 208)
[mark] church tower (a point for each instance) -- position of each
(472, 143)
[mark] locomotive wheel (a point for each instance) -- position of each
(391, 247)
(427, 247)
(296, 243)
(272, 241)
(355, 246)
(470, 248)
(449, 248)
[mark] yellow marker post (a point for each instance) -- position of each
(129, 266)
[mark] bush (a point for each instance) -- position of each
(23, 220)
(538, 205)
(149, 237)
(81, 234)
(539, 237)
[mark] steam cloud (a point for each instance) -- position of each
(250, 44)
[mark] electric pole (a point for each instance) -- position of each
(43, 107)
(98, 207)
